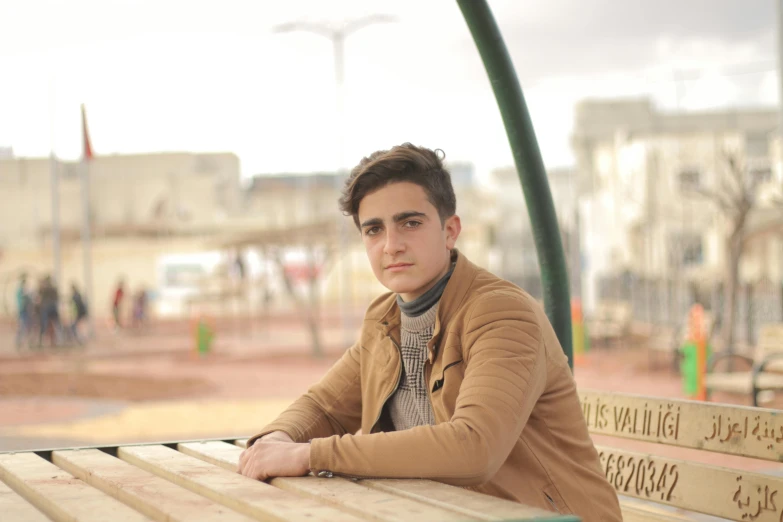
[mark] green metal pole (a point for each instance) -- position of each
(530, 166)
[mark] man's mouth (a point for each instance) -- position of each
(397, 267)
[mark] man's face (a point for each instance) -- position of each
(407, 246)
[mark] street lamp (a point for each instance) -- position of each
(337, 36)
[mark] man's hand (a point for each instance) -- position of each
(274, 458)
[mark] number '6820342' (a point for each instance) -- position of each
(640, 476)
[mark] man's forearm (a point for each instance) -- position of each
(280, 436)
(333, 406)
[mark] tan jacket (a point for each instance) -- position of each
(508, 420)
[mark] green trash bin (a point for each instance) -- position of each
(688, 368)
(204, 336)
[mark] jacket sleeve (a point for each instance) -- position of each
(333, 406)
(504, 376)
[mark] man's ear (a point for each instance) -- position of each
(452, 227)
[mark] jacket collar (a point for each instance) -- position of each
(453, 297)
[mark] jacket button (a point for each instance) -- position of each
(325, 474)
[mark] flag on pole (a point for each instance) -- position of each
(86, 145)
(86, 218)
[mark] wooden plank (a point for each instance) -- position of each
(733, 430)
(218, 453)
(155, 497)
(349, 495)
(59, 494)
(722, 492)
(251, 497)
(368, 502)
(637, 514)
(471, 503)
(14, 507)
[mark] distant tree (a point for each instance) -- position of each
(736, 196)
(317, 260)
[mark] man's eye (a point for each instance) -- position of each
(372, 231)
(412, 224)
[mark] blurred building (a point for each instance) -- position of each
(278, 201)
(127, 193)
(175, 223)
(142, 206)
(638, 171)
(514, 251)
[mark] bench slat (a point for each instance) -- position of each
(248, 496)
(476, 505)
(742, 382)
(363, 500)
(722, 492)
(733, 430)
(359, 499)
(638, 514)
(218, 453)
(14, 507)
(155, 497)
(58, 494)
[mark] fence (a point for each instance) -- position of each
(665, 302)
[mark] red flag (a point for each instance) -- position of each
(86, 146)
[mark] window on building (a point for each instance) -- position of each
(689, 179)
(205, 165)
(70, 170)
(756, 145)
(760, 175)
(686, 249)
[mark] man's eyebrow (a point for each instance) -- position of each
(372, 222)
(400, 216)
(407, 214)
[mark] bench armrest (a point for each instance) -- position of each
(717, 357)
(757, 369)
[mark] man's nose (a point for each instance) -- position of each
(394, 243)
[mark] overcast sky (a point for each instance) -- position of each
(165, 75)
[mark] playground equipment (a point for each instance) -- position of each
(579, 334)
(203, 334)
(695, 351)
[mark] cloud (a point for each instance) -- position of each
(591, 36)
(206, 75)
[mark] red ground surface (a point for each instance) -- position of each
(267, 361)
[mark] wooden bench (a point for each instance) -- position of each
(665, 483)
(610, 322)
(763, 373)
(197, 481)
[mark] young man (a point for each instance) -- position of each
(24, 310)
(49, 302)
(79, 312)
(116, 305)
(457, 375)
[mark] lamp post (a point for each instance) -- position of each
(337, 36)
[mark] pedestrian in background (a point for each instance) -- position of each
(24, 311)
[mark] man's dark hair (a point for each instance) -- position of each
(405, 162)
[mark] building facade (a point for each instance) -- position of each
(141, 206)
(645, 181)
(172, 223)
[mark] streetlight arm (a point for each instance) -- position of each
(360, 23)
(333, 34)
(321, 30)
